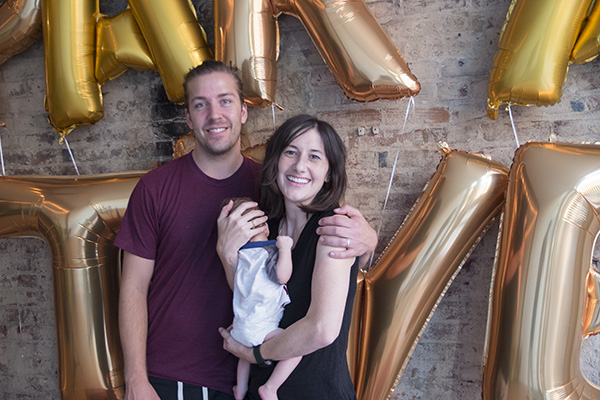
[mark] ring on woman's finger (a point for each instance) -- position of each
(347, 243)
(252, 224)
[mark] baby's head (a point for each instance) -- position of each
(237, 201)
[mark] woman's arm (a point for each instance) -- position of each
(323, 321)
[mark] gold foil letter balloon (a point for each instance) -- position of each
(176, 40)
(120, 45)
(73, 96)
(363, 60)
(404, 287)
(20, 26)
(544, 291)
(247, 36)
(78, 217)
(587, 46)
(535, 44)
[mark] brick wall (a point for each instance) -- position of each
(449, 46)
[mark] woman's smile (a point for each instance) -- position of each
(298, 180)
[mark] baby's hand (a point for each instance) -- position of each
(284, 242)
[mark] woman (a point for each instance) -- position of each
(303, 180)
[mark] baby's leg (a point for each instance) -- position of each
(281, 372)
(243, 373)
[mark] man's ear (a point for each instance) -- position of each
(244, 112)
(188, 119)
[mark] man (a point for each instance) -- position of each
(174, 293)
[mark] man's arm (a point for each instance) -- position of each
(348, 226)
(133, 325)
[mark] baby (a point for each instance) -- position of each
(259, 297)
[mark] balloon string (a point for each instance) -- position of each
(512, 122)
(2, 156)
(411, 102)
(273, 112)
(71, 154)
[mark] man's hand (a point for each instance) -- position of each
(140, 391)
(235, 229)
(349, 229)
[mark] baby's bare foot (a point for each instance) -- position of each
(266, 394)
(240, 393)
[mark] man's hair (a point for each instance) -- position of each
(332, 192)
(208, 67)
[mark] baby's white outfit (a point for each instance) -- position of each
(258, 299)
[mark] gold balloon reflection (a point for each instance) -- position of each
(361, 57)
(530, 66)
(544, 291)
(78, 217)
(406, 284)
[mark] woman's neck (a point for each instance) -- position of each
(293, 223)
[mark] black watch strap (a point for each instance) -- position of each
(259, 358)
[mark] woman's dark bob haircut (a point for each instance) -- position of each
(332, 192)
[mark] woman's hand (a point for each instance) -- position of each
(235, 229)
(235, 347)
(350, 230)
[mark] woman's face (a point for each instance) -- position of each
(303, 168)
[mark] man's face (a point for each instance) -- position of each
(215, 113)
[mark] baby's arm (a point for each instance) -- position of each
(284, 263)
